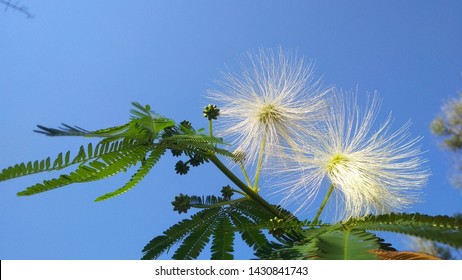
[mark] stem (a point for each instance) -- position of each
(211, 128)
(247, 180)
(260, 160)
(323, 204)
(345, 244)
(248, 191)
(239, 192)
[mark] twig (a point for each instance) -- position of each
(16, 7)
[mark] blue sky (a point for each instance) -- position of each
(83, 62)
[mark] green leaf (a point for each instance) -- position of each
(292, 246)
(20, 169)
(350, 240)
(60, 162)
(250, 232)
(347, 245)
(207, 201)
(295, 251)
(221, 223)
(223, 239)
(119, 159)
(197, 238)
(146, 166)
(144, 125)
(149, 120)
(442, 229)
(254, 211)
(195, 143)
(68, 130)
(177, 232)
(327, 245)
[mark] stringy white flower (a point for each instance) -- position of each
(272, 103)
(372, 172)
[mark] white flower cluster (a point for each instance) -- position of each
(276, 110)
(275, 100)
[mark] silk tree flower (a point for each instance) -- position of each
(272, 103)
(370, 171)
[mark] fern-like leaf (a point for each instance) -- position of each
(177, 232)
(64, 160)
(111, 133)
(195, 242)
(347, 245)
(223, 238)
(196, 143)
(31, 167)
(149, 119)
(293, 246)
(330, 245)
(107, 165)
(442, 229)
(207, 201)
(254, 211)
(219, 223)
(250, 232)
(146, 166)
(144, 125)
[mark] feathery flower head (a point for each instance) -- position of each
(271, 103)
(372, 172)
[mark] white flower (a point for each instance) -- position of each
(372, 172)
(270, 104)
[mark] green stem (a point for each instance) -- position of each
(260, 160)
(211, 128)
(239, 192)
(248, 191)
(345, 245)
(323, 204)
(247, 180)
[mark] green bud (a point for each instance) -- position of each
(196, 160)
(181, 167)
(182, 203)
(276, 226)
(211, 112)
(227, 192)
(176, 153)
(239, 156)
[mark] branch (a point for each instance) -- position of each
(251, 193)
(16, 7)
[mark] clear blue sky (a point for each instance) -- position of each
(83, 62)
